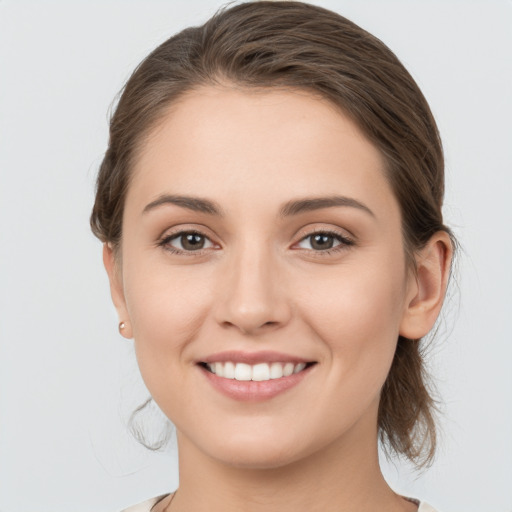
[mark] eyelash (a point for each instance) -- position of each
(344, 244)
(164, 242)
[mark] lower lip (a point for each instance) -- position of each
(254, 391)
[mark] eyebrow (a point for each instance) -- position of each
(195, 204)
(317, 203)
(290, 208)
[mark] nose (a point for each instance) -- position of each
(252, 296)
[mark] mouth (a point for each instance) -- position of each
(259, 372)
(254, 377)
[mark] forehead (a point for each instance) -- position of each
(243, 145)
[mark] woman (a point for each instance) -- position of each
(270, 207)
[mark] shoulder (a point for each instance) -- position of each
(422, 506)
(147, 506)
(425, 507)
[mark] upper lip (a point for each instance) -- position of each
(253, 357)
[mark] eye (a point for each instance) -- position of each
(186, 241)
(323, 241)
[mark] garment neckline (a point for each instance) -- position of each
(161, 502)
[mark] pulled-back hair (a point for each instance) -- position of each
(293, 45)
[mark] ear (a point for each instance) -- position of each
(116, 288)
(427, 286)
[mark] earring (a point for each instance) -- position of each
(122, 325)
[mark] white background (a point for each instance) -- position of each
(68, 380)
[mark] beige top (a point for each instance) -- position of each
(164, 500)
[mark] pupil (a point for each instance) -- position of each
(322, 241)
(192, 241)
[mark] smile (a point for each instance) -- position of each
(246, 377)
(258, 372)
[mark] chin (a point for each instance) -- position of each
(259, 452)
(257, 459)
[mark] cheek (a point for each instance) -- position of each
(163, 299)
(357, 324)
(167, 306)
(357, 313)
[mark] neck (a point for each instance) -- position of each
(341, 477)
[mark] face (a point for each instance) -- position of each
(261, 241)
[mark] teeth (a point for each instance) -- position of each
(219, 369)
(258, 372)
(276, 370)
(298, 368)
(243, 371)
(288, 369)
(261, 372)
(229, 370)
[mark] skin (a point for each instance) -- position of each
(259, 283)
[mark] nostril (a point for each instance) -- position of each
(250, 330)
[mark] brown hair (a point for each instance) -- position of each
(296, 45)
